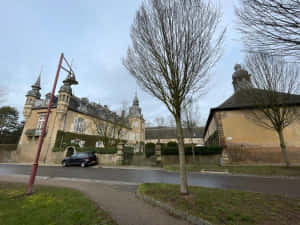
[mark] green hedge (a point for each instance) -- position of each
(8, 147)
(111, 150)
(149, 149)
(203, 150)
(90, 140)
(128, 153)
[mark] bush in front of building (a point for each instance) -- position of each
(149, 149)
(64, 139)
(128, 153)
(111, 150)
(8, 147)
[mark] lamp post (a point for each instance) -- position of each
(36, 161)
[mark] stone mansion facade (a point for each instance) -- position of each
(76, 115)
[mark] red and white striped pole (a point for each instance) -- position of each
(36, 161)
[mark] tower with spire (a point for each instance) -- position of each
(137, 124)
(65, 93)
(240, 78)
(31, 97)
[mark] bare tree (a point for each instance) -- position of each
(191, 119)
(174, 45)
(272, 93)
(270, 26)
(124, 109)
(102, 128)
(171, 122)
(120, 124)
(160, 121)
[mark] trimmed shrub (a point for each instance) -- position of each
(172, 144)
(57, 149)
(111, 150)
(8, 147)
(149, 149)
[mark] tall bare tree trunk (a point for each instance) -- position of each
(283, 148)
(193, 151)
(183, 177)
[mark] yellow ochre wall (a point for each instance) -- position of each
(258, 143)
(244, 130)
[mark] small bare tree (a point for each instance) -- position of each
(160, 121)
(275, 83)
(191, 117)
(270, 26)
(104, 126)
(119, 123)
(171, 121)
(174, 45)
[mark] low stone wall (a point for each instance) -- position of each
(141, 160)
(201, 159)
(107, 159)
(262, 155)
(7, 156)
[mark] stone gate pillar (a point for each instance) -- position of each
(120, 154)
(158, 154)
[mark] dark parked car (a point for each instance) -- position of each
(82, 159)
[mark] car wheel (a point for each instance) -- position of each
(82, 164)
(64, 164)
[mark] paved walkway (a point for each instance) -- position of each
(117, 200)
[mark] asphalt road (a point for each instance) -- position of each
(282, 186)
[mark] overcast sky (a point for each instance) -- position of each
(95, 36)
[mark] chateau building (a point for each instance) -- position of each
(243, 139)
(74, 115)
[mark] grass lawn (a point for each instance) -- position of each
(48, 206)
(228, 206)
(240, 169)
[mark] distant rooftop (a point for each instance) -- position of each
(171, 132)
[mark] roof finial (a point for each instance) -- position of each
(37, 84)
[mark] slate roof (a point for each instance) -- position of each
(96, 110)
(171, 132)
(239, 101)
(82, 105)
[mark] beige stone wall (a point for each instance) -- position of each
(212, 127)
(107, 159)
(7, 156)
(27, 146)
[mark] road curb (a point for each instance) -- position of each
(236, 174)
(172, 211)
(49, 178)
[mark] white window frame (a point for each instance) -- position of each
(79, 125)
(41, 121)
